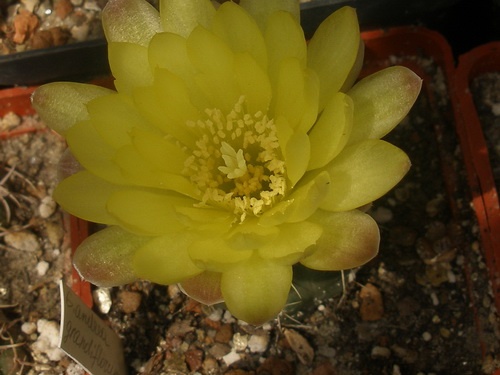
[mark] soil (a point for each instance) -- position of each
(422, 306)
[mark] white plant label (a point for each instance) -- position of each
(87, 339)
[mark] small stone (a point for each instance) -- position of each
(382, 215)
(130, 301)
(92, 5)
(427, 336)
(102, 298)
(22, 240)
(219, 350)
(53, 37)
(444, 332)
(10, 120)
(407, 355)
(372, 307)
(224, 334)
(215, 315)
(48, 340)
(231, 357)
(80, 33)
(258, 343)
(173, 291)
(240, 342)
(28, 328)
(210, 366)
(194, 357)
(435, 299)
(25, 24)
(47, 207)
(30, 5)
(380, 352)
(42, 267)
(62, 8)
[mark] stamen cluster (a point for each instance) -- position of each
(238, 163)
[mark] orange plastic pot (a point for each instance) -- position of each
(480, 60)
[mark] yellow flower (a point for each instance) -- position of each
(230, 151)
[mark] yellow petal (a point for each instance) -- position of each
(182, 16)
(333, 50)
(159, 152)
(132, 21)
(105, 258)
(356, 68)
(249, 235)
(382, 100)
(214, 60)
(146, 212)
(93, 153)
(332, 130)
(301, 204)
(165, 259)
(296, 95)
(174, 100)
(62, 104)
(215, 254)
(349, 240)
(113, 116)
(137, 171)
(256, 291)
(294, 239)
(169, 51)
(284, 39)
(148, 104)
(129, 65)
(362, 173)
(297, 153)
(261, 10)
(204, 288)
(85, 195)
(240, 31)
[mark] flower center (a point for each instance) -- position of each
(237, 163)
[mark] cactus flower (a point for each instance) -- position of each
(230, 151)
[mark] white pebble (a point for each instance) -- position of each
(42, 267)
(258, 343)
(102, 298)
(48, 339)
(228, 318)
(47, 207)
(231, 358)
(28, 328)
(240, 342)
(10, 120)
(80, 33)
